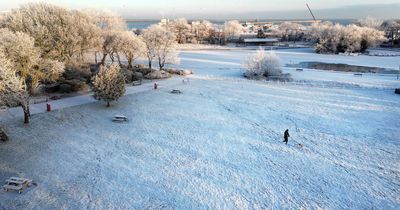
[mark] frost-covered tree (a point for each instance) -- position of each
(130, 45)
(13, 91)
(19, 55)
(232, 29)
(204, 30)
(290, 29)
(160, 44)
(19, 49)
(109, 84)
(106, 19)
(370, 22)
(181, 29)
(392, 30)
(59, 33)
(90, 34)
(261, 64)
(111, 26)
(338, 38)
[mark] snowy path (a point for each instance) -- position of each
(216, 146)
(82, 99)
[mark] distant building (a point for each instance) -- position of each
(259, 42)
(163, 22)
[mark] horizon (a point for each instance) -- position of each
(288, 9)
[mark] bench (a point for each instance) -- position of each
(23, 181)
(17, 184)
(119, 118)
(8, 187)
(137, 83)
(176, 91)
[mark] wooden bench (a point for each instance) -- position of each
(119, 118)
(17, 184)
(23, 181)
(176, 92)
(8, 187)
(137, 83)
(9, 181)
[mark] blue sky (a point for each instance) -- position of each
(211, 8)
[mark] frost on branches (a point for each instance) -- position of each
(13, 91)
(20, 60)
(160, 44)
(109, 84)
(59, 33)
(130, 45)
(232, 29)
(19, 49)
(345, 39)
(181, 29)
(261, 64)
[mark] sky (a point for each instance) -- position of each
(223, 9)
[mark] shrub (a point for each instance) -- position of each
(261, 64)
(336, 38)
(109, 84)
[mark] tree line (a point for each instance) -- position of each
(38, 41)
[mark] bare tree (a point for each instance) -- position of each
(160, 43)
(204, 30)
(111, 25)
(130, 45)
(232, 29)
(59, 33)
(181, 28)
(370, 22)
(392, 30)
(13, 91)
(290, 29)
(109, 84)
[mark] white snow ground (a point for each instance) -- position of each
(219, 144)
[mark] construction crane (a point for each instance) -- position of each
(309, 9)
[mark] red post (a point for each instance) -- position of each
(155, 86)
(48, 107)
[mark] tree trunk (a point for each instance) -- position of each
(160, 64)
(130, 63)
(118, 58)
(95, 57)
(26, 113)
(149, 64)
(108, 104)
(103, 60)
(112, 57)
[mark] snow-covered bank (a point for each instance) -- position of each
(218, 145)
(216, 63)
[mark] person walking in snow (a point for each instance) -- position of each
(286, 136)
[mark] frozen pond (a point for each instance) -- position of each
(342, 67)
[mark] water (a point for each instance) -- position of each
(139, 24)
(341, 67)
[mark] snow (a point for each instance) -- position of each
(219, 144)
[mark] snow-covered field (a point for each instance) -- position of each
(219, 144)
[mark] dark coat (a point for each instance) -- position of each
(286, 135)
